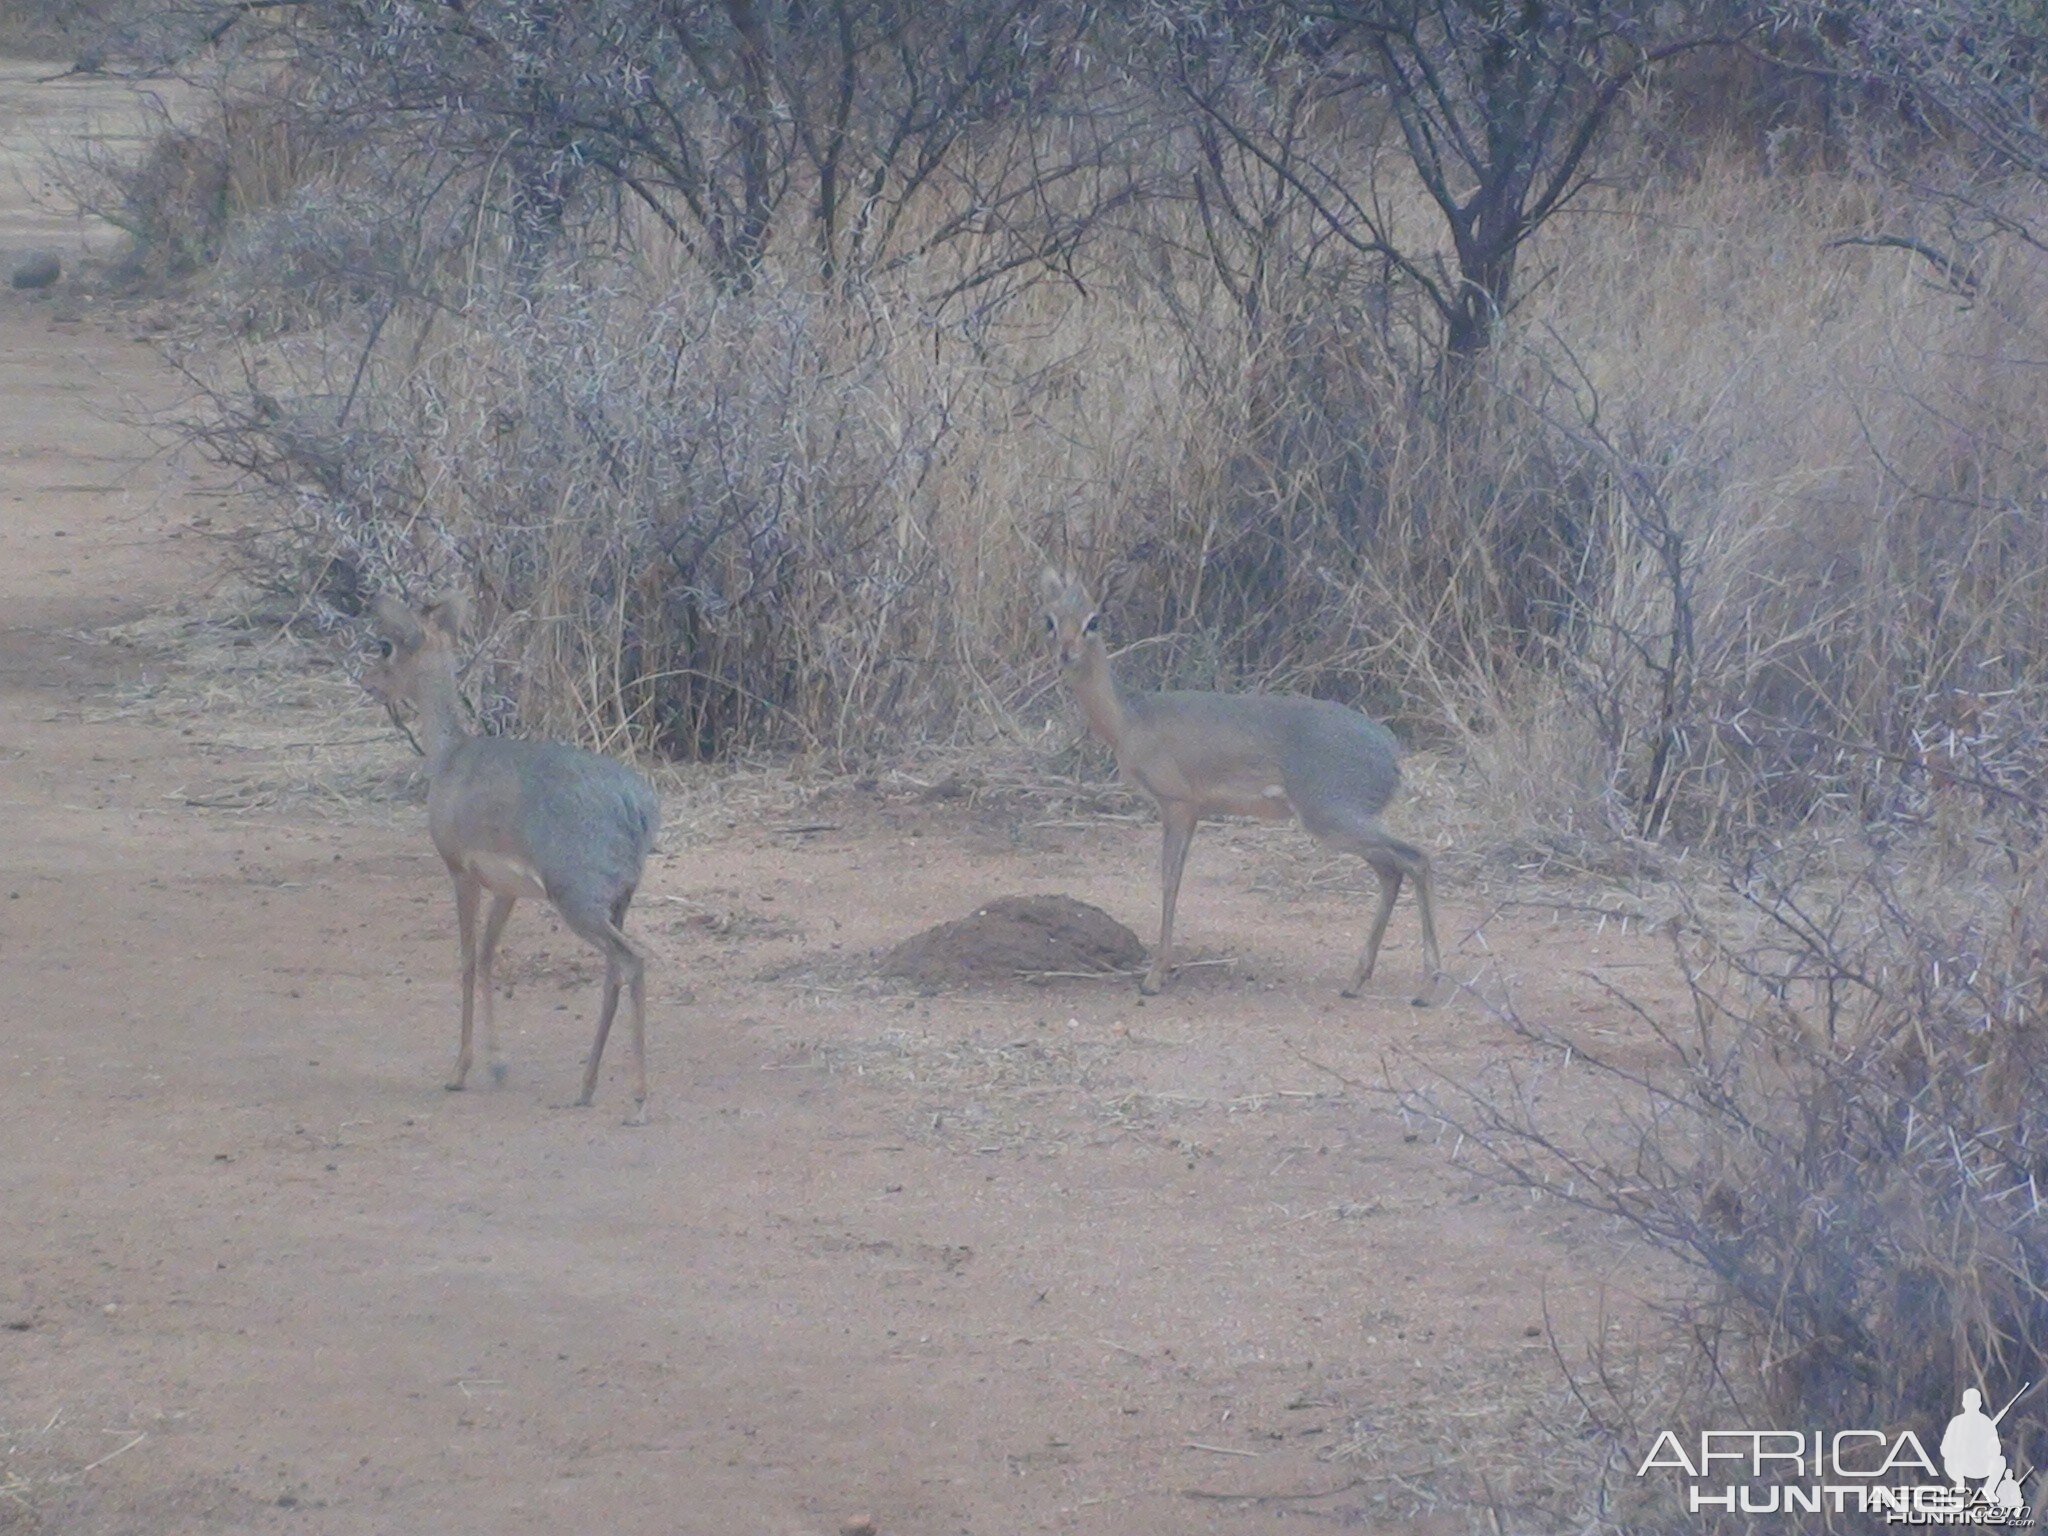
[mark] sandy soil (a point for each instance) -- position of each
(1034, 1259)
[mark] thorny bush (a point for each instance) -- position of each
(1841, 1136)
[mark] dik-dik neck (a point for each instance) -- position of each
(440, 707)
(1094, 686)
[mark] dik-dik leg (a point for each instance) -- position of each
(494, 927)
(468, 891)
(1391, 859)
(625, 968)
(1178, 824)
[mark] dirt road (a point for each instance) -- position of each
(1030, 1260)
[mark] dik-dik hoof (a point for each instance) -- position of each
(638, 1117)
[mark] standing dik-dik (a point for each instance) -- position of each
(1221, 754)
(521, 818)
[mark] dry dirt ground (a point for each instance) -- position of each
(1038, 1258)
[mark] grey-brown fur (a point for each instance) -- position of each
(1273, 757)
(522, 818)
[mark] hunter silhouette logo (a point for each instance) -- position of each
(1860, 1471)
(1970, 1452)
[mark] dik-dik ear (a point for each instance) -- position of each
(397, 623)
(447, 612)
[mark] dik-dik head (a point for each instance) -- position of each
(413, 639)
(1071, 619)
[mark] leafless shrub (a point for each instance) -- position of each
(698, 518)
(1839, 1135)
(314, 258)
(732, 130)
(224, 154)
(1494, 110)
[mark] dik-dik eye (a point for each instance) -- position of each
(1050, 626)
(384, 648)
(1094, 621)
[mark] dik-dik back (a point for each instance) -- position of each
(1258, 754)
(582, 824)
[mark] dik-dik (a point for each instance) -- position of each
(1263, 755)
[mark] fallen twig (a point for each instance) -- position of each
(1278, 1498)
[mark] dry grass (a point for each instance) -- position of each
(817, 535)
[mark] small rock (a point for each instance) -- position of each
(859, 1525)
(36, 269)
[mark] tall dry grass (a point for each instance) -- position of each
(1731, 526)
(1838, 446)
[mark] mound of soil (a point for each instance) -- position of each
(1015, 936)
